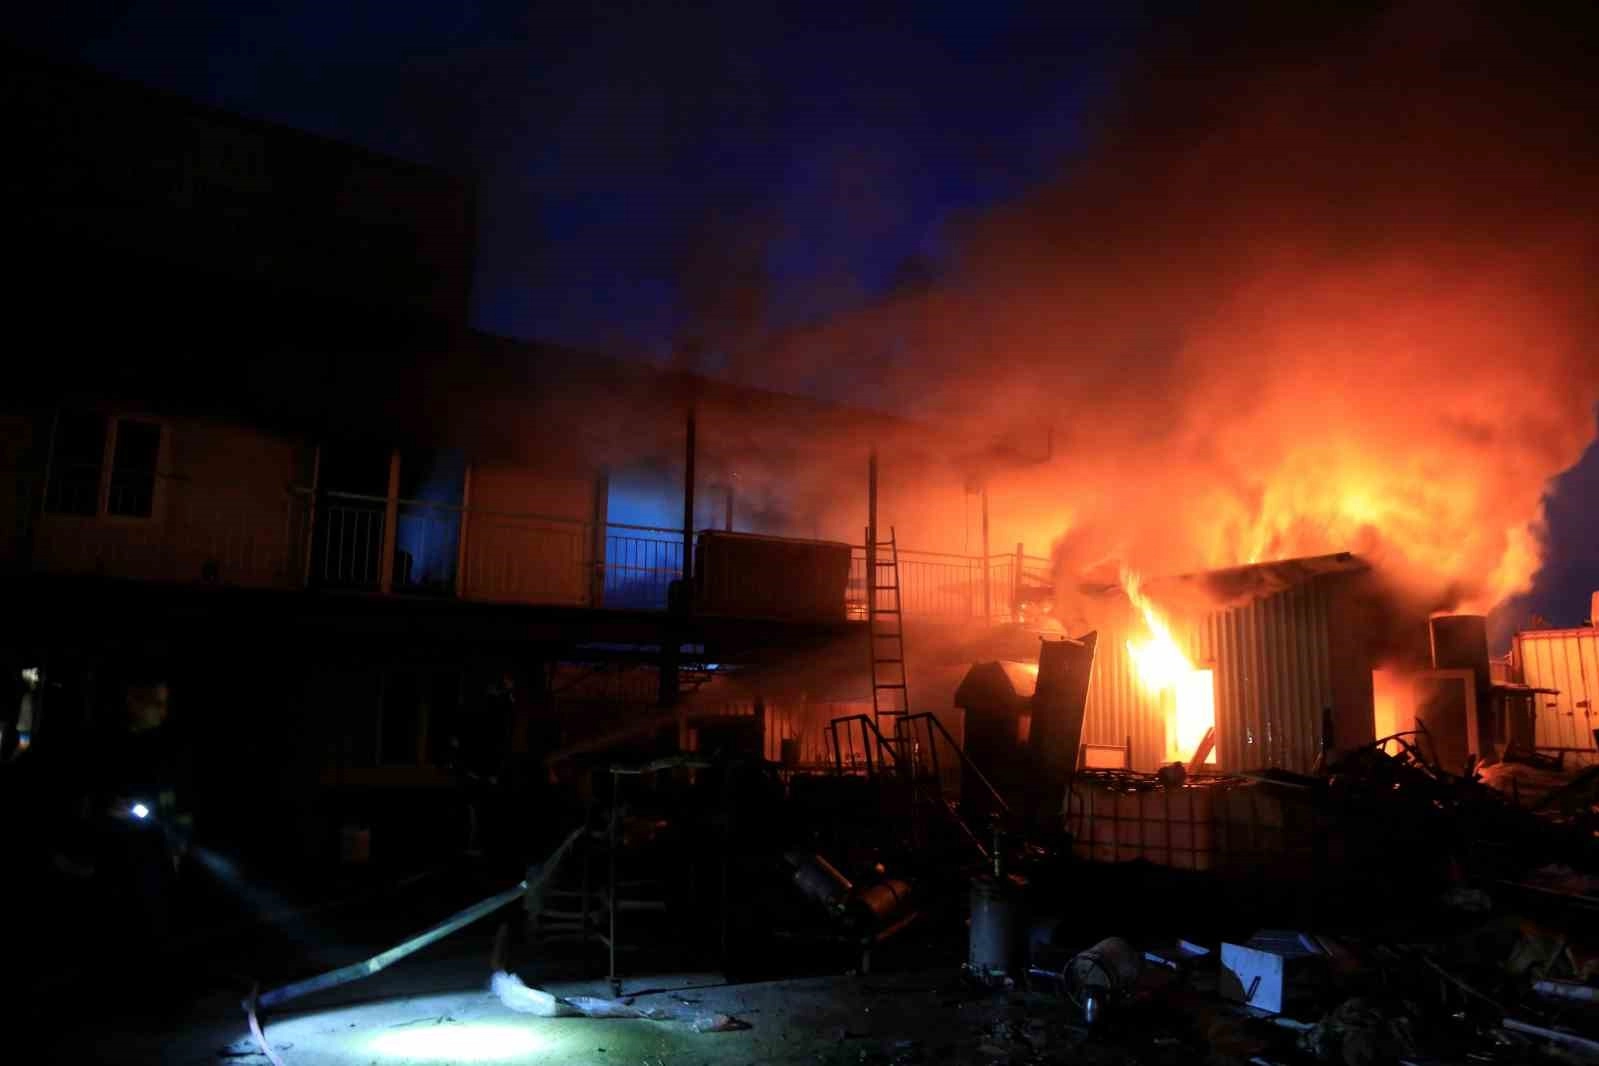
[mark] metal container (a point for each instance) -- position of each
(1566, 660)
(882, 904)
(820, 880)
(991, 947)
(771, 577)
(1103, 976)
(1460, 642)
(1173, 827)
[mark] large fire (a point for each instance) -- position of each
(1260, 324)
(1187, 692)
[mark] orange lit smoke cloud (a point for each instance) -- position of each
(1293, 298)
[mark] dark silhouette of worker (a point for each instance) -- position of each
(478, 751)
(508, 793)
(139, 775)
(106, 836)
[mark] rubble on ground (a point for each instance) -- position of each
(1480, 944)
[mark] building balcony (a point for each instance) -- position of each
(178, 530)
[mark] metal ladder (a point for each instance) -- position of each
(890, 683)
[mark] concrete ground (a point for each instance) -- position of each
(442, 1012)
(794, 1021)
(436, 1007)
(896, 1019)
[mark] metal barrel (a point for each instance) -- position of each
(991, 950)
(820, 880)
(1102, 975)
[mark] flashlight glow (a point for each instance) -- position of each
(140, 811)
(469, 1042)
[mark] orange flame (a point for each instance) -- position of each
(1162, 667)
(1159, 661)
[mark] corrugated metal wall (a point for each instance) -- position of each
(1272, 681)
(1118, 707)
(1568, 660)
(1272, 678)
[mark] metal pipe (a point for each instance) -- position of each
(356, 971)
(688, 503)
(598, 536)
(459, 583)
(391, 521)
(616, 788)
(460, 919)
(1016, 585)
(871, 499)
(871, 537)
(988, 595)
(43, 502)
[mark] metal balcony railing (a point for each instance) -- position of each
(950, 587)
(172, 528)
(640, 564)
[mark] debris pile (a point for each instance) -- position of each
(1455, 917)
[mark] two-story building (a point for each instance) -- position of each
(252, 446)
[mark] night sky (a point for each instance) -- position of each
(647, 170)
(629, 155)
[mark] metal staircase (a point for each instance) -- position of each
(895, 748)
(908, 763)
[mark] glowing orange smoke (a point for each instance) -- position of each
(1162, 667)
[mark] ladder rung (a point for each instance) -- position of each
(882, 661)
(888, 684)
(885, 588)
(886, 610)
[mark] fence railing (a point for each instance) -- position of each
(172, 528)
(639, 566)
(951, 587)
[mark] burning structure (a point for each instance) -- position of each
(1265, 659)
(1282, 369)
(1288, 664)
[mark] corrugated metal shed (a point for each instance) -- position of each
(1274, 649)
(1567, 660)
(1119, 710)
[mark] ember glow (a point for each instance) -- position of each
(1187, 693)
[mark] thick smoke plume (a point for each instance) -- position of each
(1311, 286)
